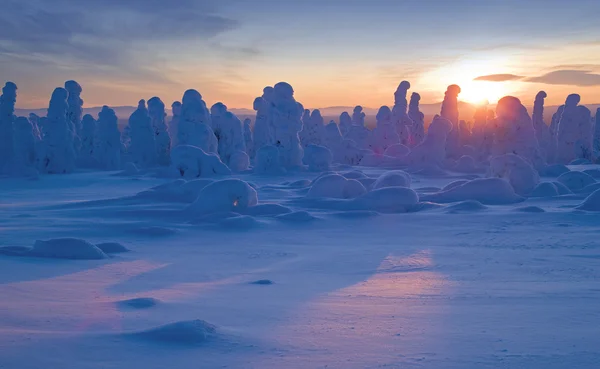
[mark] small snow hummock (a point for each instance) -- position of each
(185, 333)
(107, 147)
(57, 151)
(192, 162)
(156, 110)
(488, 191)
(7, 117)
(142, 147)
(318, 158)
(518, 172)
(337, 187)
(575, 180)
(545, 189)
(395, 178)
(387, 200)
(195, 126)
(228, 195)
(591, 203)
(67, 248)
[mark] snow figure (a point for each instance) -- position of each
(400, 118)
(174, 124)
(597, 134)
(385, 135)
(345, 123)
(262, 125)
(333, 136)
(418, 120)
(318, 158)
(230, 132)
(7, 118)
(57, 153)
(542, 132)
(287, 124)
(156, 109)
(358, 117)
(107, 148)
(574, 132)
(313, 130)
(192, 162)
(514, 132)
(432, 151)
(88, 141)
(194, 125)
(248, 138)
(25, 146)
(75, 111)
(142, 147)
(450, 112)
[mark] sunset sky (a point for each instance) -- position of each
(334, 52)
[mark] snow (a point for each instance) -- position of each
(592, 202)
(268, 161)
(518, 172)
(156, 110)
(432, 151)
(192, 332)
(7, 110)
(576, 180)
(107, 147)
(418, 120)
(395, 178)
(195, 126)
(318, 158)
(232, 195)
(142, 147)
(488, 191)
(337, 187)
(313, 129)
(192, 162)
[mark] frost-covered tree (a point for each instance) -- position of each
(597, 134)
(195, 126)
(7, 118)
(333, 136)
(313, 130)
(450, 112)
(107, 146)
(57, 154)
(156, 110)
(358, 117)
(574, 132)
(345, 123)
(287, 123)
(263, 136)
(174, 124)
(142, 147)
(400, 117)
(25, 146)
(34, 119)
(385, 135)
(542, 132)
(75, 110)
(432, 151)
(418, 119)
(88, 142)
(464, 130)
(229, 131)
(479, 123)
(248, 138)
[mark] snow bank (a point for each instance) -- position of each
(228, 195)
(387, 200)
(488, 191)
(336, 186)
(192, 162)
(518, 172)
(318, 158)
(576, 181)
(591, 203)
(191, 332)
(395, 178)
(297, 217)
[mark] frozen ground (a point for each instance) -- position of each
(460, 286)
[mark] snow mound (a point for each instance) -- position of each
(297, 216)
(589, 189)
(138, 303)
(336, 186)
(518, 172)
(530, 209)
(67, 248)
(239, 161)
(397, 151)
(593, 172)
(226, 195)
(545, 189)
(192, 162)
(591, 203)
(395, 178)
(488, 191)
(554, 170)
(112, 248)
(267, 210)
(318, 158)
(466, 207)
(191, 332)
(240, 222)
(562, 189)
(576, 180)
(387, 200)
(451, 185)
(267, 160)
(355, 174)
(465, 164)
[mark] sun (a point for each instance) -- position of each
(479, 92)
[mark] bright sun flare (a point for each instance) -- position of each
(478, 92)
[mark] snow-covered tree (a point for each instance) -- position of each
(57, 154)
(174, 124)
(358, 117)
(542, 132)
(88, 142)
(345, 123)
(597, 134)
(479, 123)
(195, 126)
(450, 112)
(25, 146)
(385, 135)
(229, 131)
(313, 130)
(7, 118)
(287, 123)
(574, 132)
(107, 150)
(432, 151)
(263, 136)
(142, 147)
(156, 110)
(333, 136)
(248, 138)
(34, 119)
(400, 117)
(418, 119)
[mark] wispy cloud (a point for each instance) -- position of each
(499, 78)
(568, 78)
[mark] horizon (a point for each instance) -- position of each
(332, 54)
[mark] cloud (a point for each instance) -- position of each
(567, 77)
(499, 78)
